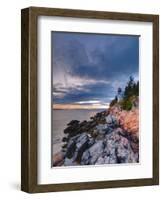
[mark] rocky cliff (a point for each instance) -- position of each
(109, 137)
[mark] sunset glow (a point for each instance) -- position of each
(78, 106)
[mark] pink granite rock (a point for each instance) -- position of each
(58, 159)
(129, 120)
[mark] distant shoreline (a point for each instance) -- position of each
(80, 109)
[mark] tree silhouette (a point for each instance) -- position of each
(114, 101)
(131, 91)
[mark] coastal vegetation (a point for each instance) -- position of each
(129, 97)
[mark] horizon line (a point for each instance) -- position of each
(76, 106)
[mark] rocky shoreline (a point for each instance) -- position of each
(102, 140)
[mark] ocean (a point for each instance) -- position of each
(61, 118)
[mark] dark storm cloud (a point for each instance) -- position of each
(69, 49)
(111, 62)
(104, 58)
(99, 91)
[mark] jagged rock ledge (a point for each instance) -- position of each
(101, 140)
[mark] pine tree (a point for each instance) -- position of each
(131, 91)
(114, 101)
(119, 91)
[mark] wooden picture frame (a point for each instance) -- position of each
(29, 135)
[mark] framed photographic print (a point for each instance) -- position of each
(90, 99)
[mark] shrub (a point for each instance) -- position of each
(126, 104)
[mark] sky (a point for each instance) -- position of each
(89, 68)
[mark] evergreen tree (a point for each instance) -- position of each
(114, 101)
(131, 91)
(119, 91)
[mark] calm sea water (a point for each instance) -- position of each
(60, 120)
